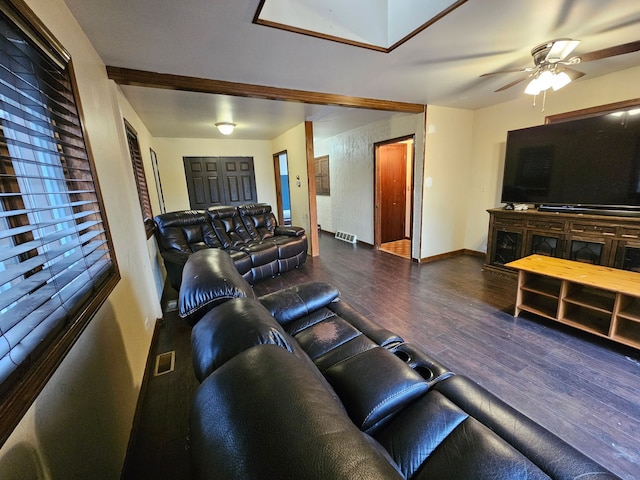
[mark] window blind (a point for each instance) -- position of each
(141, 180)
(55, 254)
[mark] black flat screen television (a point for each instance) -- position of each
(590, 164)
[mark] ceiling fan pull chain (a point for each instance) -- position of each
(544, 99)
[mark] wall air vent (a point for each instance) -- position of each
(346, 237)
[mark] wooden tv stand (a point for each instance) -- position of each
(599, 239)
(601, 300)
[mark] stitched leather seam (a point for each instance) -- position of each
(314, 323)
(204, 304)
(388, 399)
(344, 359)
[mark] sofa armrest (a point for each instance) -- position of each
(174, 261)
(209, 278)
(289, 231)
(175, 257)
(554, 456)
(295, 302)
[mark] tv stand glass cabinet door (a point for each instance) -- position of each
(505, 239)
(590, 242)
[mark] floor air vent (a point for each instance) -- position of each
(165, 363)
(346, 237)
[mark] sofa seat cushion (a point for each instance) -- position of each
(321, 331)
(295, 302)
(379, 335)
(241, 260)
(265, 414)
(209, 278)
(260, 251)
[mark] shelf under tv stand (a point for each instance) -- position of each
(600, 300)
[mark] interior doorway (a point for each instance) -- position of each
(393, 195)
(283, 196)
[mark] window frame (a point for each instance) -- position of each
(21, 390)
(141, 180)
(322, 175)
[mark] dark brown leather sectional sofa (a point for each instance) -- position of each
(250, 234)
(297, 384)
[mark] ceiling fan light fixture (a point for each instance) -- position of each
(545, 80)
(533, 88)
(560, 80)
(225, 128)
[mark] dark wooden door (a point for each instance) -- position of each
(220, 181)
(239, 180)
(393, 180)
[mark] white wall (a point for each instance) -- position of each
(124, 110)
(170, 164)
(79, 425)
(350, 206)
(490, 126)
(446, 180)
(294, 142)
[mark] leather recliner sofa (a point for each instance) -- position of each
(297, 384)
(250, 234)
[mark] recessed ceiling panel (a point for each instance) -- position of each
(376, 24)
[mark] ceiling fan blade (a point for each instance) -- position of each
(573, 74)
(561, 49)
(507, 71)
(611, 51)
(512, 84)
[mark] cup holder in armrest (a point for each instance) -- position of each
(424, 371)
(428, 368)
(402, 355)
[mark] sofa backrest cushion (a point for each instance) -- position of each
(228, 226)
(265, 414)
(231, 328)
(186, 231)
(209, 278)
(259, 220)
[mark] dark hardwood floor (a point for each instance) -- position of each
(582, 388)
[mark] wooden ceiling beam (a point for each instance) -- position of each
(142, 78)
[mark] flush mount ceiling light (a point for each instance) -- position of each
(225, 128)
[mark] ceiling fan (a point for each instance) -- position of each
(553, 67)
